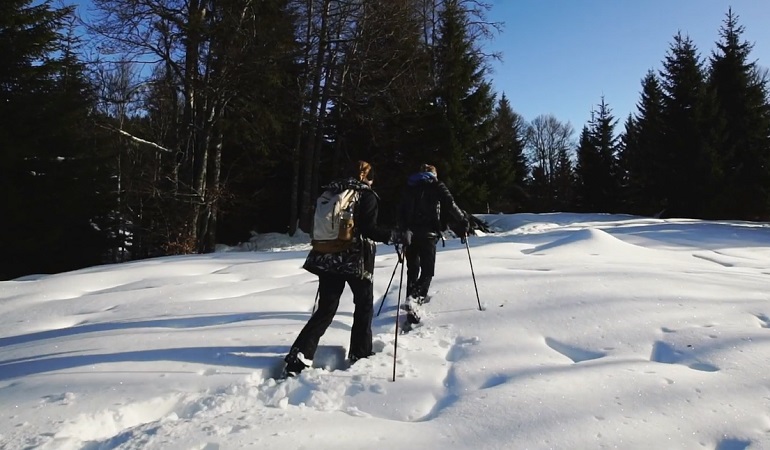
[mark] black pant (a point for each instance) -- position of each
(420, 265)
(330, 289)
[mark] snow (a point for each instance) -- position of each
(600, 331)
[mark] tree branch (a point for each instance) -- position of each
(134, 138)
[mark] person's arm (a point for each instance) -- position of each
(448, 204)
(368, 209)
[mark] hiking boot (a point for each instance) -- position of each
(411, 302)
(296, 362)
(413, 318)
(353, 358)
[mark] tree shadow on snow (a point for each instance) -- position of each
(250, 357)
(175, 322)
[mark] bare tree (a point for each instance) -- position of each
(324, 25)
(118, 99)
(547, 137)
(200, 44)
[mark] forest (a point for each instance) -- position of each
(163, 127)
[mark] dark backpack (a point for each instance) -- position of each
(421, 210)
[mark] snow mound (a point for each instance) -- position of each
(589, 241)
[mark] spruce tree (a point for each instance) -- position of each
(258, 125)
(465, 101)
(597, 162)
(688, 161)
(564, 182)
(587, 160)
(503, 163)
(744, 145)
(50, 169)
(628, 153)
(382, 104)
(648, 171)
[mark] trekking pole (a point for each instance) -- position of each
(473, 274)
(398, 318)
(382, 302)
(315, 302)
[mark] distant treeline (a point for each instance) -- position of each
(156, 127)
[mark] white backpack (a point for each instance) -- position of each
(333, 226)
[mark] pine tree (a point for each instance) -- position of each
(628, 152)
(258, 125)
(564, 182)
(465, 100)
(744, 146)
(688, 161)
(503, 163)
(382, 110)
(597, 162)
(57, 204)
(587, 160)
(648, 173)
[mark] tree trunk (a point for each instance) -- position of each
(306, 203)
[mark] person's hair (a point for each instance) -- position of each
(428, 168)
(360, 170)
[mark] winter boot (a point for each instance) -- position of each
(353, 358)
(296, 362)
(413, 317)
(412, 302)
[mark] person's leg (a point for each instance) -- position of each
(330, 289)
(427, 251)
(412, 257)
(361, 333)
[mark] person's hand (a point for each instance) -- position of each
(401, 237)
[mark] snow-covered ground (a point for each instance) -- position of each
(599, 331)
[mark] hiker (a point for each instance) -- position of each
(424, 202)
(344, 259)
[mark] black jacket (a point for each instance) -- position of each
(358, 262)
(424, 202)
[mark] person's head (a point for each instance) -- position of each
(361, 171)
(428, 168)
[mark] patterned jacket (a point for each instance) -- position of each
(358, 261)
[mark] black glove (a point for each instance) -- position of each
(401, 237)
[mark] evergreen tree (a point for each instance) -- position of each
(465, 100)
(258, 126)
(688, 162)
(49, 165)
(597, 162)
(382, 110)
(647, 165)
(503, 162)
(744, 146)
(587, 160)
(628, 152)
(564, 182)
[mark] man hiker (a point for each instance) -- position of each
(424, 202)
(347, 258)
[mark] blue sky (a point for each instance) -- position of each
(561, 56)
